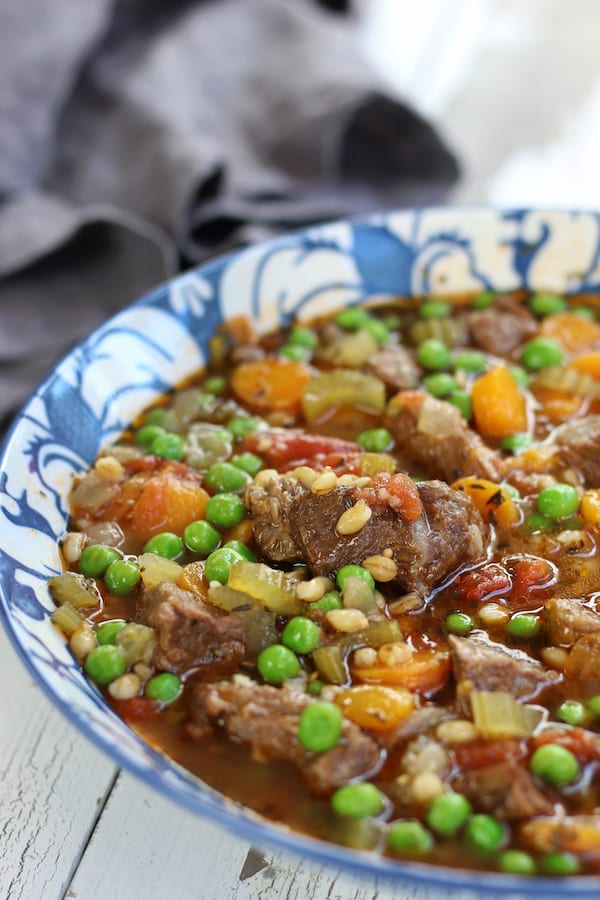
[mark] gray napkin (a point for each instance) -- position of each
(140, 136)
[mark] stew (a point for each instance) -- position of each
(349, 577)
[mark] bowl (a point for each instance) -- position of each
(94, 393)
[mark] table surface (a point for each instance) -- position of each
(514, 85)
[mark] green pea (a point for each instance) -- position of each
(469, 361)
(409, 836)
(168, 446)
(166, 544)
(321, 725)
(584, 312)
(219, 563)
(484, 834)
(239, 547)
(353, 318)
(433, 354)
(108, 631)
(95, 560)
(536, 522)
(201, 537)
(330, 600)
(462, 401)
(572, 712)
(225, 510)
(315, 687)
(248, 462)
(516, 862)
(165, 687)
(540, 353)
(301, 634)
(158, 416)
(215, 385)
(358, 800)
(459, 623)
(291, 351)
(560, 863)
(392, 321)
(519, 376)
(242, 426)
(546, 304)
(375, 440)
(277, 663)
(593, 704)
(104, 664)
(440, 384)
(517, 443)
(558, 501)
(147, 433)
(524, 626)
(122, 576)
(554, 764)
(225, 477)
(303, 337)
(355, 571)
(447, 813)
(378, 330)
(435, 309)
(484, 300)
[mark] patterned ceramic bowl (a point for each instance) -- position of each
(151, 346)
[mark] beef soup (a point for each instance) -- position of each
(349, 578)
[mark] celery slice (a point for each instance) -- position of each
(74, 589)
(498, 714)
(67, 618)
(342, 387)
(273, 588)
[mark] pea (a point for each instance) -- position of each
(225, 510)
(330, 600)
(358, 800)
(355, 571)
(392, 321)
(484, 834)
(168, 446)
(540, 353)
(166, 544)
(378, 330)
(584, 312)
(484, 300)
(108, 631)
(440, 384)
(242, 426)
(104, 664)
(122, 576)
(516, 862)
(239, 547)
(517, 443)
(352, 319)
(536, 522)
(572, 712)
(593, 704)
(219, 563)
(469, 361)
(560, 863)
(276, 663)
(558, 501)
(523, 626)
(459, 623)
(95, 560)
(147, 433)
(554, 764)
(519, 376)
(375, 440)
(215, 385)
(291, 351)
(462, 401)
(158, 416)
(447, 813)
(433, 354)
(223, 476)
(546, 304)
(201, 537)
(301, 634)
(248, 462)
(165, 687)
(434, 309)
(315, 687)
(303, 337)
(409, 836)
(321, 726)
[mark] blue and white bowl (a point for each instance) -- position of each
(155, 344)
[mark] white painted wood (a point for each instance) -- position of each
(53, 784)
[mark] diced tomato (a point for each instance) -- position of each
(399, 492)
(530, 573)
(137, 709)
(425, 673)
(286, 450)
(583, 744)
(478, 584)
(480, 753)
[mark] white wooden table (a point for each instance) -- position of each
(515, 87)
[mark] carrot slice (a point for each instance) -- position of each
(375, 707)
(499, 407)
(167, 503)
(571, 331)
(426, 672)
(557, 405)
(492, 500)
(270, 383)
(587, 364)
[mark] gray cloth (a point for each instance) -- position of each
(140, 136)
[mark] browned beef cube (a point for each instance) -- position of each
(583, 663)
(568, 619)
(502, 327)
(507, 790)
(578, 445)
(396, 367)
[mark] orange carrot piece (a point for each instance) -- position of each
(426, 672)
(499, 407)
(587, 364)
(375, 707)
(167, 503)
(492, 500)
(557, 405)
(571, 331)
(270, 383)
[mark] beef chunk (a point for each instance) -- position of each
(502, 327)
(434, 434)
(272, 508)
(396, 367)
(578, 445)
(189, 632)
(507, 790)
(583, 663)
(568, 619)
(267, 719)
(482, 665)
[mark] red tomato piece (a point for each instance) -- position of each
(583, 744)
(287, 449)
(478, 584)
(479, 753)
(398, 492)
(531, 574)
(137, 709)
